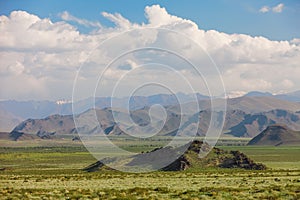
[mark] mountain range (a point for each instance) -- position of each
(237, 123)
(246, 116)
(12, 112)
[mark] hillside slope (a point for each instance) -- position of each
(8, 120)
(276, 135)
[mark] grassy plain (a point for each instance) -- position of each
(36, 170)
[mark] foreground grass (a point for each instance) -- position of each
(181, 185)
(223, 184)
(53, 172)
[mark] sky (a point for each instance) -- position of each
(230, 16)
(47, 45)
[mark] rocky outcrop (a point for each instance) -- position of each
(216, 158)
(240, 160)
(180, 164)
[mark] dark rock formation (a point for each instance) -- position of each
(216, 158)
(240, 160)
(180, 164)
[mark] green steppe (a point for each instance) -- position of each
(52, 170)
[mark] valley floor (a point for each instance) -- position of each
(53, 172)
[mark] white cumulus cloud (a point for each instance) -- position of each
(278, 8)
(264, 9)
(39, 58)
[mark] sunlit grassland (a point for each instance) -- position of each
(53, 170)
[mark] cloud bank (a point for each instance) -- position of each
(39, 58)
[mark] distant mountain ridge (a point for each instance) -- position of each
(237, 123)
(258, 94)
(292, 96)
(13, 112)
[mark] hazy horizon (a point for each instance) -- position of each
(232, 94)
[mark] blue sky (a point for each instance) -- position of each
(229, 16)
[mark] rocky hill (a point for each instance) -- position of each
(253, 124)
(45, 128)
(277, 135)
(217, 158)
